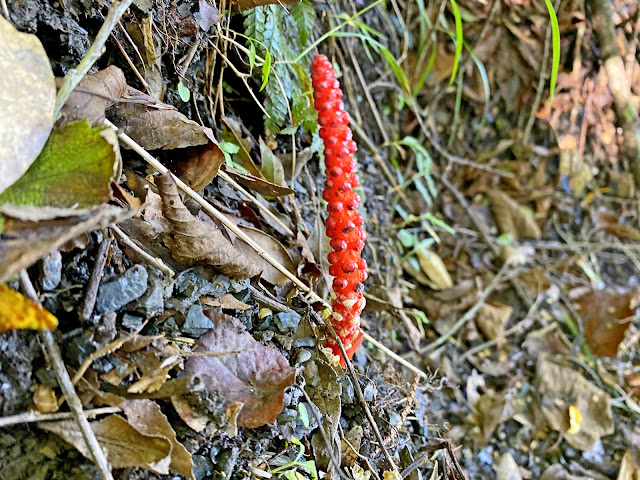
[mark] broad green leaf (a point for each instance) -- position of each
(74, 169)
(272, 168)
(184, 92)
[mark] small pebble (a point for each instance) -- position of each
(51, 270)
(116, 294)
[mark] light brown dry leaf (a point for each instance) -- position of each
(93, 95)
(433, 266)
(146, 417)
(610, 222)
(351, 445)
(226, 301)
(197, 166)
(559, 388)
(506, 468)
(127, 447)
(274, 248)
(27, 96)
(189, 415)
(32, 232)
(628, 470)
(511, 217)
(492, 319)
(492, 409)
(550, 339)
(606, 316)
(256, 377)
(155, 370)
(192, 240)
(257, 184)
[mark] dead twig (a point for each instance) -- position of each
(94, 280)
(35, 416)
(53, 353)
(129, 242)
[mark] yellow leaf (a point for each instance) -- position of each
(18, 312)
(575, 420)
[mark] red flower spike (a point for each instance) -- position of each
(344, 222)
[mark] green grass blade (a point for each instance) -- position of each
(459, 40)
(555, 35)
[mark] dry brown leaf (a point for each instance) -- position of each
(256, 377)
(559, 388)
(606, 316)
(31, 232)
(27, 96)
(492, 319)
(610, 222)
(197, 166)
(146, 417)
(491, 410)
(629, 470)
(93, 95)
(226, 301)
(257, 184)
(511, 217)
(433, 266)
(127, 447)
(506, 468)
(242, 5)
(272, 247)
(550, 339)
(192, 240)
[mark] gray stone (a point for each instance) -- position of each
(116, 294)
(151, 303)
(51, 270)
(196, 322)
(304, 342)
(132, 322)
(287, 321)
(301, 356)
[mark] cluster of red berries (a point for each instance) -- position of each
(344, 222)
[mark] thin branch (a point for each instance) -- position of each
(35, 416)
(53, 352)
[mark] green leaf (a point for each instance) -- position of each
(75, 168)
(184, 92)
(228, 149)
(289, 130)
(459, 40)
(252, 55)
(555, 35)
(266, 69)
(272, 168)
(303, 415)
(304, 16)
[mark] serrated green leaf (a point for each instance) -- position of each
(184, 92)
(75, 168)
(304, 16)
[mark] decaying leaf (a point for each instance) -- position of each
(629, 470)
(559, 388)
(610, 223)
(257, 184)
(20, 312)
(191, 240)
(272, 247)
(197, 166)
(606, 316)
(31, 232)
(127, 447)
(256, 376)
(74, 169)
(511, 217)
(492, 409)
(506, 468)
(433, 267)
(146, 417)
(492, 319)
(93, 95)
(27, 96)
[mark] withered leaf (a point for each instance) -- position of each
(274, 248)
(155, 125)
(606, 316)
(257, 184)
(257, 376)
(125, 446)
(433, 266)
(197, 166)
(511, 217)
(31, 232)
(492, 318)
(559, 388)
(93, 95)
(146, 417)
(192, 240)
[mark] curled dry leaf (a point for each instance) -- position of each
(433, 266)
(492, 319)
(93, 95)
(274, 248)
(253, 374)
(561, 387)
(127, 446)
(27, 96)
(511, 217)
(257, 184)
(146, 417)
(606, 316)
(31, 232)
(191, 240)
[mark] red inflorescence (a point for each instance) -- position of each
(344, 222)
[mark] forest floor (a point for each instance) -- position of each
(502, 246)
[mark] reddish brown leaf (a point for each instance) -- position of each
(257, 376)
(604, 315)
